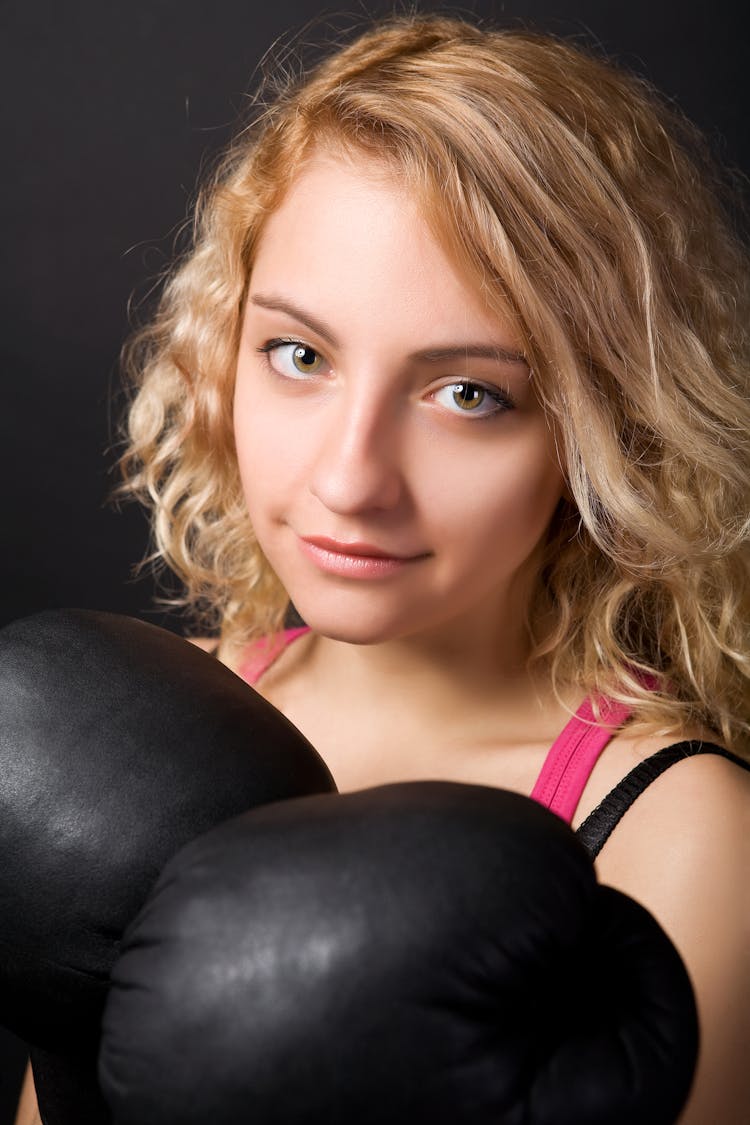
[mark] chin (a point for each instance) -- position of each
(348, 631)
(348, 623)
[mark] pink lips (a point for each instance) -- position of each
(353, 560)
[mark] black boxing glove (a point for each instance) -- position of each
(424, 952)
(119, 742)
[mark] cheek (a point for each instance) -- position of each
(268, 460)
(257, 450)
(501, 503)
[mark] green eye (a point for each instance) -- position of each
(306, 360)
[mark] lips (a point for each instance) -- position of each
(355, 560)
(366, 550)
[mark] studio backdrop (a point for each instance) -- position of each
(110, 112)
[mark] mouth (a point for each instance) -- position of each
(355, 560)
(359, 549)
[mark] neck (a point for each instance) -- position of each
(440, 673)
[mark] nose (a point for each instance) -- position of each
(357, 468)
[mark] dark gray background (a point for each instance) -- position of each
(108, 112)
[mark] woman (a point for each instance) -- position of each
(458, 366)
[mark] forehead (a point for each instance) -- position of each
(352, 236)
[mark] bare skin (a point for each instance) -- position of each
(28, 1112)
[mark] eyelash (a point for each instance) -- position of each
(502, 400)
(281, 342)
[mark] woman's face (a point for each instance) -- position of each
(397, 467)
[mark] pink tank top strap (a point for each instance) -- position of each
(570, 759)
(259, 656)
(573, 755)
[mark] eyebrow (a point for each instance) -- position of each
(496, 352)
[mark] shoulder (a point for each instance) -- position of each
(686, 839)
(208, 644)
(274, 658)
(693, 819)
(28, 1112)
(683, 851)
(234, 656)
(705, 777)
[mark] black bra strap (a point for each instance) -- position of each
(598, 825)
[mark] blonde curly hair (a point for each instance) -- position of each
(582, 204)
